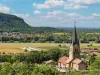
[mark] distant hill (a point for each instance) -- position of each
(85, 29)
(12, 23)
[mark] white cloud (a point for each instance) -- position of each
(54, 3)
(79, 6)
(55, 15)
(41, 6)
(60, 15)
(84, 1)
(56, 12)
(59, 18)
(68, 4)
(64, 18)
(36, 12)
(4, 9)
(49, 4)
(22, 15)
(72, 14)
(95, 14)
(73, 6)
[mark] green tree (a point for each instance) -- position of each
(6, 69)
(45, 70)
(91, 59)
(95, 65)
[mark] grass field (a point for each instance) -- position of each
(16, 47)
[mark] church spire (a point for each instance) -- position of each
(75, 38)
(74, 51)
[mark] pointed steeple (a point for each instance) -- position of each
(75, 38)
(74, 51)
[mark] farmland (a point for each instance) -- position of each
(17, 47)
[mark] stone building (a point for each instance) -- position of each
(74, 60)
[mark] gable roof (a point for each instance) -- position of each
(63, 59)
(69, 60)
(77, 61)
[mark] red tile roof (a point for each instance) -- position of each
(77, 61)
(63, 60)
(69, 60)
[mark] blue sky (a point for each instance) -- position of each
(55, 13)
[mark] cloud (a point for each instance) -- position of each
(49, 4)
(72, 6)
(61, 13)
(4, 9)
(41, 6)
(84, 1)
(22, 15)
(68, 4)
(56, 12)
(64, 18)
(55, 15)
(79, 4)
(54, 3)
(72, 14)
(36, 12)
(60, 18)
(95, 14)
(28, 18)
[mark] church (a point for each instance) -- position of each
(74, 60)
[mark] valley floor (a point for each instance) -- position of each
(18, 47)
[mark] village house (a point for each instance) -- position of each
(74, 61)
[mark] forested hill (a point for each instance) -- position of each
(12, 23)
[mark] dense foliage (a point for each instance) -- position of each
(31, 63)
(35, 56)
(26, 69)
(18, 68)
(53, 38)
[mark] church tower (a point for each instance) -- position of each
(74, 51)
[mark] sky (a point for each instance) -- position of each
(55, 13)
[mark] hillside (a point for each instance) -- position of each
(12, 23)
